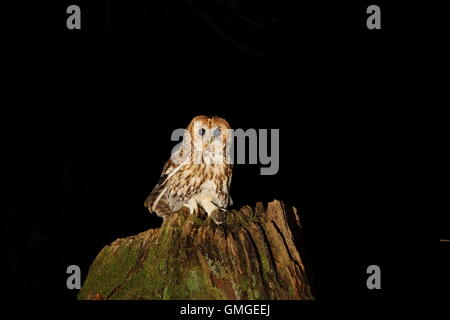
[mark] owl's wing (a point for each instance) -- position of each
(157, 201)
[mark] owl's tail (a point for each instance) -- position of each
(157, 202)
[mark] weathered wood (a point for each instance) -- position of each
(255, 254)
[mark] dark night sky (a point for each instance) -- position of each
(89, 117)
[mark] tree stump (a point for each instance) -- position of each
(254, 254)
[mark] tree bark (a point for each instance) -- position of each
(254, 254)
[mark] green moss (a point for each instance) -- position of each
(193, 281)
(187, 284)
(162, 265)
(196, 220)
(104, 276)
(291, 292)
(263, 253)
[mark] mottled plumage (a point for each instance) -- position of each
(198, 174)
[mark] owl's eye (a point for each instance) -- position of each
(217, 132)
(201, 132)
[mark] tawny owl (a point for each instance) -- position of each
(198, 174)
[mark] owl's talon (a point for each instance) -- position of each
(201, 214)
(218, 215)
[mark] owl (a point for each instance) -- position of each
(198, 174)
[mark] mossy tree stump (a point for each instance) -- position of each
(253, 255)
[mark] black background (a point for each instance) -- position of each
(89, 115)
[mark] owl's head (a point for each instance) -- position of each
(209, 133)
